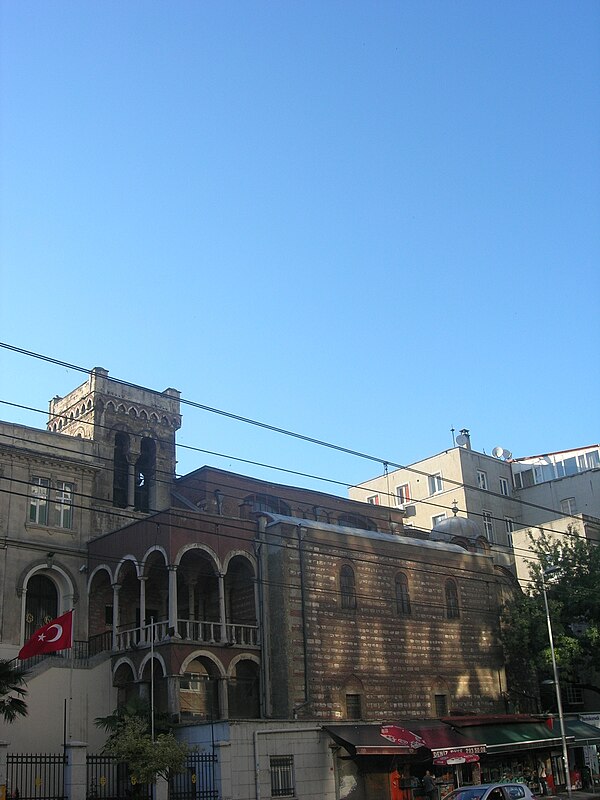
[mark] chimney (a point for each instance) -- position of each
(466, 440)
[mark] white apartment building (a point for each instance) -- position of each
(499, 493)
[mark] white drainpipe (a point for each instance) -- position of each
(265, 733)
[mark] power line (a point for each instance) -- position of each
(266, 426)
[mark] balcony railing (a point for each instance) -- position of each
(189, 630)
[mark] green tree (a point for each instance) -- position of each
(574, 604)
(12, 691)
(132, 743)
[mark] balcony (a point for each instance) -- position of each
(189, 631)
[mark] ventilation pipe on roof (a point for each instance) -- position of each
(464, 439)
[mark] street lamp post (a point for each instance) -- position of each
(546, 573)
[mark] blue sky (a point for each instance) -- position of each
(364, 221)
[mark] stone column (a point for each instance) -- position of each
(76, 771)
(173, 599)
(143, 633)
(223, 698)
(115, 620)
(222, 611)
(131, 482)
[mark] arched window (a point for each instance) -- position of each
(452, 609)
(347, 587)
(120, 470)
(402, 594)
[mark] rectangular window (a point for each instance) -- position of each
(437, 519)
(441, 705)
(374, 500)
(282, 776)
(568, 505)
(581, 462)
(509, 524)
(488, 525)
(504, 488)
(38, 504)
(435, 483)
(482, 479)
(403, 494)
(573, 695)
(593, 459)
(353, 706)
(64, 504)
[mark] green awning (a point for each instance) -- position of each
(582, 733)
(504, 738)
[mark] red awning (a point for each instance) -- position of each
(443, 741)
(457, 757)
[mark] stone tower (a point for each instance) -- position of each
(133, 429)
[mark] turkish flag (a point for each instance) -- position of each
(56, 635)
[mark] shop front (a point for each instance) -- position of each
(519, 748)
(390, 761)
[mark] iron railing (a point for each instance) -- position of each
(33, 776)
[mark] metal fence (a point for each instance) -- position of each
(197, 781)
(35, 776)
(109, 779)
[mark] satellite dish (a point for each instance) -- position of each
(461, 439)
(500, 452)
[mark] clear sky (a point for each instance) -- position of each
(367, 222)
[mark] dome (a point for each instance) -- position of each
(456, 528)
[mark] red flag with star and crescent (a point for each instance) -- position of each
(55, 635)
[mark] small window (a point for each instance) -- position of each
(509, 524)
(38, 504)
(435, 483)
(452, 609)
(373, 500)
(482, 481)
(282, 776)
(64, 504)
(402, 595)
(347, 587)
(488, 525)
(568, 505)
(504, 487)
(437, 519)
(441, 705)
(403, 494)
(353, 706)
(573, 695)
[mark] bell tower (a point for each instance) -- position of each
(134, 430)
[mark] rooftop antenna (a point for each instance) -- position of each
(453, 439)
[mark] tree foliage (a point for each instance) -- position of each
(574, 605)
(12, 691)
(130, 741)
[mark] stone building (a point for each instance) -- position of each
(226, 599)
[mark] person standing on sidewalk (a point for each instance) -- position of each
(429, 786)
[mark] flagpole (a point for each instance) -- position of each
(71, 678)
(152, 676)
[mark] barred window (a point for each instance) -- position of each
(402, 595)
(282, 776)
(347, 587)
(353, 706)
(452, 609)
